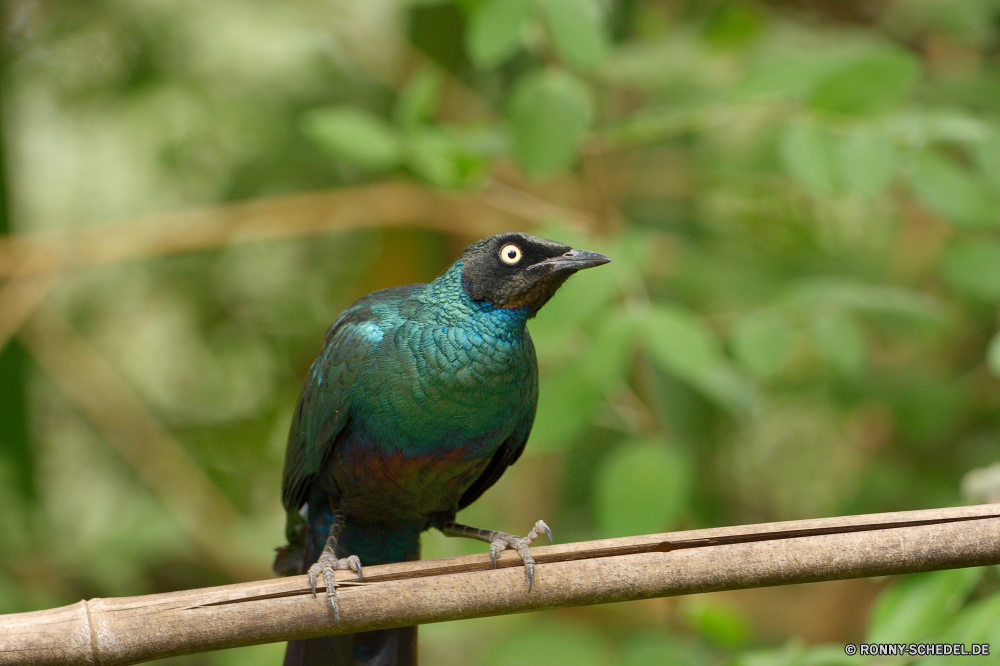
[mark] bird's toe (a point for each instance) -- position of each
(331, 591)
(312, 579)
(354, 564)
(326, 565)
(540, 528)
(503, 541)
(529, 566)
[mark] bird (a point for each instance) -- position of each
(420, 399)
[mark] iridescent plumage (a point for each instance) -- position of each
(422, 396)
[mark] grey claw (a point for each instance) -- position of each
(503, 541)
(332, 598)
(331, 592)
(327, 564)
(354, 562)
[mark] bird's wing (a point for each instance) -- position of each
(513, 446)
(324, 406)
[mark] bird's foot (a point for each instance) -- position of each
(500, 541)
(503, 541)
(326, 565)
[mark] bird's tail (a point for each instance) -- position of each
(374, 544)
(386, 647)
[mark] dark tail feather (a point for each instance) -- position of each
(375, 545)
(386, 647)
(327, 651)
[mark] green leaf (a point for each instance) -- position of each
(256, 655)
(950, 191)
(419, 98)
(795, 653)
(841, 343)
(495, 31)
(809, 155)
(993, 355)
(577, 31)
(974, 267)
(549, 113)
(987, 154)
(553, 643)
(355, 136)
(733, 24)
(762, 343)
(866, 163)
(680, 342)
(566, 405)
(643, 487)
(827, 655)
(607, 360)
(684, 347)
(978, 622)
(728, 389)
(868, 84)
(781, 77)
(919, 606)
(438, 158)
(664, 648)
(719, 622)
(858, 295)
(921, 127)
(929, 409)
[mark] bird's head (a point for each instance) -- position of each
(513, 270)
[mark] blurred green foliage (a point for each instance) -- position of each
(801, 200)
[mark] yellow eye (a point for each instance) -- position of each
(510, 254)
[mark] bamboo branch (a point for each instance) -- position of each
(134, 629)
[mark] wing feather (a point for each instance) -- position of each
(324, 406)
(513, 446)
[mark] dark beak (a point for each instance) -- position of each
(574, 260)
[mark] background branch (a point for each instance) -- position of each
(138, 436)
(495, 209)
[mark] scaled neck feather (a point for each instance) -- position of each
(448, 300)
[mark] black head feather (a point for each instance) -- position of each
(513, 270)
